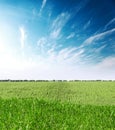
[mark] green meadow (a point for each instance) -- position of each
(57, 105)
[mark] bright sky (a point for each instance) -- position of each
(57, 39)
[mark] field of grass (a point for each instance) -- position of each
(57, 105)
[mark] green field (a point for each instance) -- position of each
(57, 105)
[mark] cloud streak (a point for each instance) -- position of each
(70, 36)
(42, 6)
(87, 25)
(109, 23)
(97, 37)
(58, 25)
(22, 37)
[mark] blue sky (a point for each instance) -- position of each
(57, 39)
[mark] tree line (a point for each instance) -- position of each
(9, 80)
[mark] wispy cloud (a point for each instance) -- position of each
(43, 68)
(108, 63)
(57, 53)
(42, 6)
(98, 50)
(87, 24)
(109, 23)
(75, 58)
(70, 36)
(65, 56)
(22, 36)
(80, 6)
(66, 53)
(98, 37)
(41, 41)
(58, 24)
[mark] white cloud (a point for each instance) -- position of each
(65, 56)
(109, 23)
(50, 68)
(59, 63)
(87, 24)
(98, 50)
(98, 37)
(107, 63)
(105, 69)
(42, 6)
(41, 41)
(58, 25)
(22, 36)
(55, 33)
(70, 36)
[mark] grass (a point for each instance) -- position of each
(57, 106)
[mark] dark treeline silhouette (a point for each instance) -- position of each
(9, 80)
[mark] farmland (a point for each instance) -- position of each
(57, 105)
